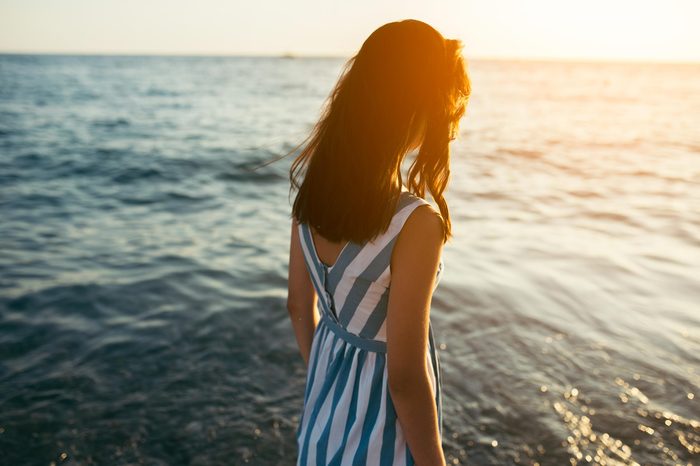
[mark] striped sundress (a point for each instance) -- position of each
(348, 417)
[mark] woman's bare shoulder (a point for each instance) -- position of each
(424, 224)
(420, 239)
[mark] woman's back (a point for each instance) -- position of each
(348, 415)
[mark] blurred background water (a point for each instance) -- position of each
(143, 264)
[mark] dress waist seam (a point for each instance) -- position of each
(375, 346)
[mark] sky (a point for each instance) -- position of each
(641, 30)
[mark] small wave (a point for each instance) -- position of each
(173, 199)
(34, 200)
(611, 216)
(110, 151)
(251, 171)
(29, 160)
(524, 153)
(180, 196)
(584, 194)
(157, 92)
(655, 175)
(251, 176)
(132, 174)
(493, 195)
(111, 123)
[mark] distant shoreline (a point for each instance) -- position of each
(294, 56)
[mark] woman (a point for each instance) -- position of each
(367, 250)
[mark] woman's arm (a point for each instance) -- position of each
(301, 296)
(414, 266)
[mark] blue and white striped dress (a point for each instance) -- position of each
(348, 417)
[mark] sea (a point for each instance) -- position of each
(144, 243)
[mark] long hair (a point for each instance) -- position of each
(407, 83)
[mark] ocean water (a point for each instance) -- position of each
(143, 263)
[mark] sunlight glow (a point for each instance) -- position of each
(662, 30)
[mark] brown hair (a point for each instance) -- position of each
(406, 84)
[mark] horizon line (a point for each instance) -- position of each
(292, 55)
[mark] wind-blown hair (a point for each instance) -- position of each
(407, 83)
